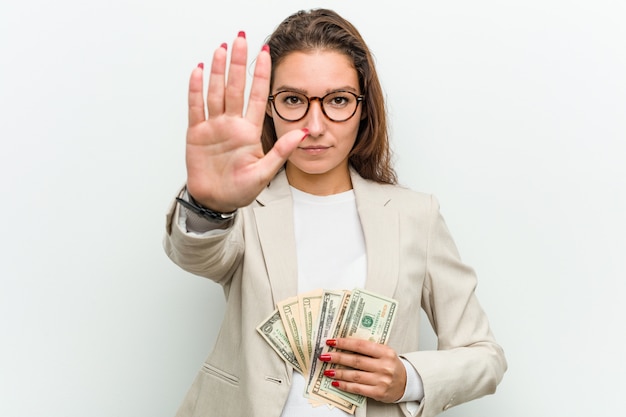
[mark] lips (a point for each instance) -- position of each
(314, 149)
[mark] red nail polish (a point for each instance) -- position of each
(224, 45)
(329, 372)
(325, 357)
(242, 34)
(265, 48)
(335, 384)
(331, 342)
(201, 65)
(306, 133)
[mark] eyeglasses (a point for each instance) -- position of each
(337, 106)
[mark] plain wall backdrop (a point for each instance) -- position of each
(513, 113)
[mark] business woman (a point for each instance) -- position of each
(297, 192)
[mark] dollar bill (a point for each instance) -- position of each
(332, 310)
(273, 331)
(330, 307)
(290, 315)
(309, 304)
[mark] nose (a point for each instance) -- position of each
(316, 121)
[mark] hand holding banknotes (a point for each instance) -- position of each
(372, 369)
(337, 338)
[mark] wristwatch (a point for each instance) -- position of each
(211, 215)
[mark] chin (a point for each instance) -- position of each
(320, 166)
(312, 168)
(314, 171)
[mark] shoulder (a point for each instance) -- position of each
(411, 202)
(402, 193)
(399, 197)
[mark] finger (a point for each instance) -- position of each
(270, 164)
(260, 87)
(351, 375)
(215, 91)
(235, 86)
(195, 99)
(354, 361)
(358, 389)
(364, 347)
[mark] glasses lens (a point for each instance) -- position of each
(291, 105)
(340, 105)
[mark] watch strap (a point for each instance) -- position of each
(214, 216)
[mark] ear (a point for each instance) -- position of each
(268, 109)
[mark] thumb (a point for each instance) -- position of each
(282, 149)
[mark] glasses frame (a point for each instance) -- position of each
(359, 99)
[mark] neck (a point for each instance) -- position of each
(328, 183)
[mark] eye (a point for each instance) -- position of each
(339, 99)
(292, 99)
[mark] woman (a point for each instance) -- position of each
(314, 204)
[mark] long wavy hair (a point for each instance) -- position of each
(325, 29)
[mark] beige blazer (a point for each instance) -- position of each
(411, 257)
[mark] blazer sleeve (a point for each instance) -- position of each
(213, 256)
(468, 363)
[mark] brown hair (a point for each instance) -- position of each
(325, 29)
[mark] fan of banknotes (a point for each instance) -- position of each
(297, 330)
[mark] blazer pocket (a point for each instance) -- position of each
(220, 374)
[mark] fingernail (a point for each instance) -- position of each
(201, 65)
(329, 372)
(265, 48)
(224, 45)
(335, 384)
(331, 342)
(306, 133)
(325, 357)
(242, 34)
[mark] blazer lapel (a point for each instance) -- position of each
(274, 218)
(380, 224)
(381, 227)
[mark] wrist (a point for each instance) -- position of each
(190, 204)
(216, 208)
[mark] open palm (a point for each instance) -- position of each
(226, 166)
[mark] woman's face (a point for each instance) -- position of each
(323, 155)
